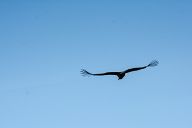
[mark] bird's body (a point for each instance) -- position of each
(120, 75)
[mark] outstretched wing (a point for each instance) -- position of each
(134, 69)
(86, 73)
(152, 64)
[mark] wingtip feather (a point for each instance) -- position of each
(85, 72)
(153, 63)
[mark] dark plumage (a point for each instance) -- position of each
(120, 75)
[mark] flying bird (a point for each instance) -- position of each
(121, 74)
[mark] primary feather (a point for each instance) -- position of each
(85, 73)
(153, 63)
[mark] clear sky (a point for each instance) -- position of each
(44, 44)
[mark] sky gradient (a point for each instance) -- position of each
(45, 44)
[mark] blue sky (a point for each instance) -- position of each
(44, 44)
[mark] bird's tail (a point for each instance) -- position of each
(85, 73)
(153, 63)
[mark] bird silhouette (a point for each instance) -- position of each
(120, 75)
